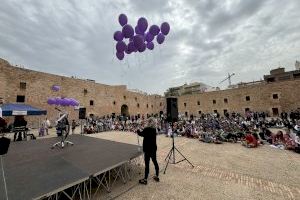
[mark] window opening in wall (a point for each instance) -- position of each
(138, 105)
(20, 98)
(198, 103)
(124, 97)
(247, 98)
(184, 104)
(91, 102)
(214, 102)
(85, 91)
(114, 102)
(275, 96)
(22, 85)
(247, 110)
(275, 111)
(225, 100)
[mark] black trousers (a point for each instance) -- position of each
(147, 157)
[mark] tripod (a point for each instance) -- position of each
(170, 158)
(64, 127)
(63, 141)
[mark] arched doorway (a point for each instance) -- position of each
(124, 110)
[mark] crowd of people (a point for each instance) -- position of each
(251, 130)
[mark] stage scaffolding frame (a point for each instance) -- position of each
(82, 189)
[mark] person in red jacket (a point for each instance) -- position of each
(250, 141)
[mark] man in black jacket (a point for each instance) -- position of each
(149, 148)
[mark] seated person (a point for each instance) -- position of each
(217, 139)
(289, 141)
(278, 139)
(250, 141)
(206, 137)
(231, 137)
(85, 129)
(266, 134)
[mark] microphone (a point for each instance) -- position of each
(58, 109)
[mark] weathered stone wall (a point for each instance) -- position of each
(261, 99)
(38, 89)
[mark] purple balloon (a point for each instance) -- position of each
(138, 40)
(68, 102)
(128, 51)
(150, 45)
(50, 101)
(131, 47)
(120, 55)
(142, 48)
(165, 28)
(76, 103)
(55, 88)
(118, 36)
(160, 38)
(142, 24)
(149, 37)
(61, 102)
(154, 30)
(121, 46)
(123, 19)
(127, 31)
(72, 102)
(58, 101)
(137, 30)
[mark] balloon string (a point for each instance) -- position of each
(113, 50)
(127, 62)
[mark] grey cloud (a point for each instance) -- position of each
(75, 38)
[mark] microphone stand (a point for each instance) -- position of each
(63, 141)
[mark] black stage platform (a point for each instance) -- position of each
(34, 170)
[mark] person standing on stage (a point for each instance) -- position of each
(149, 148)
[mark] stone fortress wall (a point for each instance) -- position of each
(106, 99)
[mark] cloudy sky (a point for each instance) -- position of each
(208, 39)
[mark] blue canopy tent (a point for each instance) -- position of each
(20, 109)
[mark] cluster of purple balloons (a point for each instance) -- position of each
(139, 39)
(62, 101)
(55, 88)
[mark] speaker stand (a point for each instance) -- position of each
(170, 158)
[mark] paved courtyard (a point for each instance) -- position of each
(226, 171)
